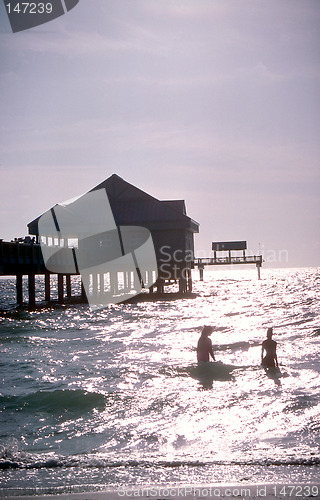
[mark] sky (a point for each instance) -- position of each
(216, 102)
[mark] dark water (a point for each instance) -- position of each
(115, 398)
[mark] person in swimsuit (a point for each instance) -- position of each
(204, 347)
(270, 346)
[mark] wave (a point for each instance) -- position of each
(234, 346)
(54, 401)
(301, 403)
(295, 323)
(103, 463)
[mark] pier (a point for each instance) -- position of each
(21, 259)
(229, 259)
(127, 243)
(223, 261)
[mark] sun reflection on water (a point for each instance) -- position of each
(123, 384)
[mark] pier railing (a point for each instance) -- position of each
(220, 261)
(20, 258)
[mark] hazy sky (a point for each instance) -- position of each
(212, 101)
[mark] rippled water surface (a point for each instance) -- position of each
(115, 397)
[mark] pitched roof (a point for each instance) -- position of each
(132, 206)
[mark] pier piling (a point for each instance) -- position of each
(32, 290)
(68, 285)
(47, 287)
(60, 289)
(19, 289)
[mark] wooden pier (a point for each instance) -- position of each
(21, 259)
(227, 260)
(25, 259)
(223, 261)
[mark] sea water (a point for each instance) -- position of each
(116, 398)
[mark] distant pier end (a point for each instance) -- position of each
(228, 258)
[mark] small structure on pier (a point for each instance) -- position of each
(171, 229)
(228, 247)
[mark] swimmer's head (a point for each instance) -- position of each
(269, 333)
(207, 330)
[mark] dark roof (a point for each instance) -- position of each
(132, 206)
(178, 205)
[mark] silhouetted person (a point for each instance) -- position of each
(204, 347)
(270, 346)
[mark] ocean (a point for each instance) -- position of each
(115, 398)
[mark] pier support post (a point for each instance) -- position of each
(160, 286)
(60, 289)
(68, 283)
(189, 280)
(101, 281)
(32, 290)
(47, 287)
(258, 269)
(201, 268)
(95, 285)
(113, 282)
(19, 289)
(182, 284)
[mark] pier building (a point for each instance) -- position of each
(172, 232)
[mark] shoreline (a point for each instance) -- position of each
(256, 491)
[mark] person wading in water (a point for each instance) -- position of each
(270, 360)
(204, 347)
